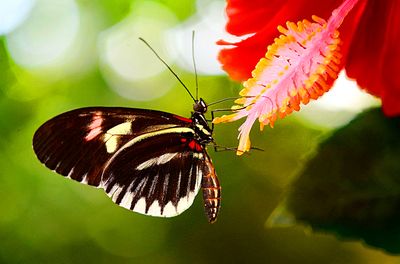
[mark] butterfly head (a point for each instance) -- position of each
(200, 106)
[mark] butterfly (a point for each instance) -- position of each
(147, 161)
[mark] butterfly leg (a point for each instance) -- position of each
(222, 110)
(218, 148)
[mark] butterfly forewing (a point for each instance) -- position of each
(147, 161)
(78, 143)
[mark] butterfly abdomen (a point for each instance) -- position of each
(211, 195)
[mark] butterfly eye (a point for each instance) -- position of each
(197, 107)
(200, 106)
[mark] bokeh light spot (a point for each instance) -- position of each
(46, 34)
(337, 107)
(208, 24)
(13, 13)
(127, 64)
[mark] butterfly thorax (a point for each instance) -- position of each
(200, 124)
(202, 129)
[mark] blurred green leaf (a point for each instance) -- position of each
(112, 11)
(352, 186)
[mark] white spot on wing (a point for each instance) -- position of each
(141, 185)
(147, 164)
(199, 177)
(111, 143)
(156, 161)
(190, 174)
(140, 206)
(155, 209)
(111, 138)
(121, 129)
(70, 173)
(127, 200)
(114, 192)
(169, 210)
(128, 197)
(198, 155)
(166, 157)
(178, 184)
(185, 202)
(85, 179)
(153, 186)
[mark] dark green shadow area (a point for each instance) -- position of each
(352, 185)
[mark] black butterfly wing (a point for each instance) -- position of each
(157, 174)
(147, 161)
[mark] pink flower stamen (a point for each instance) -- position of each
(300, 65)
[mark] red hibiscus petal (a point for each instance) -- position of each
(263, 17)
(238, 62)
(244, 16)
(391, 64)
(374, 56)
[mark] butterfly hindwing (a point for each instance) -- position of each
(159, 175)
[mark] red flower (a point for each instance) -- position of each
(370, 35)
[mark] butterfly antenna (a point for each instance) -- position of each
(169, 68)
(233, 98)
(194, 66)
(224, 100)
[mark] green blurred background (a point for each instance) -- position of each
(57, 55)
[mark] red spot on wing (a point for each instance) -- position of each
(95, 126)
(198, 147)
(193, 145)
(188, 120)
